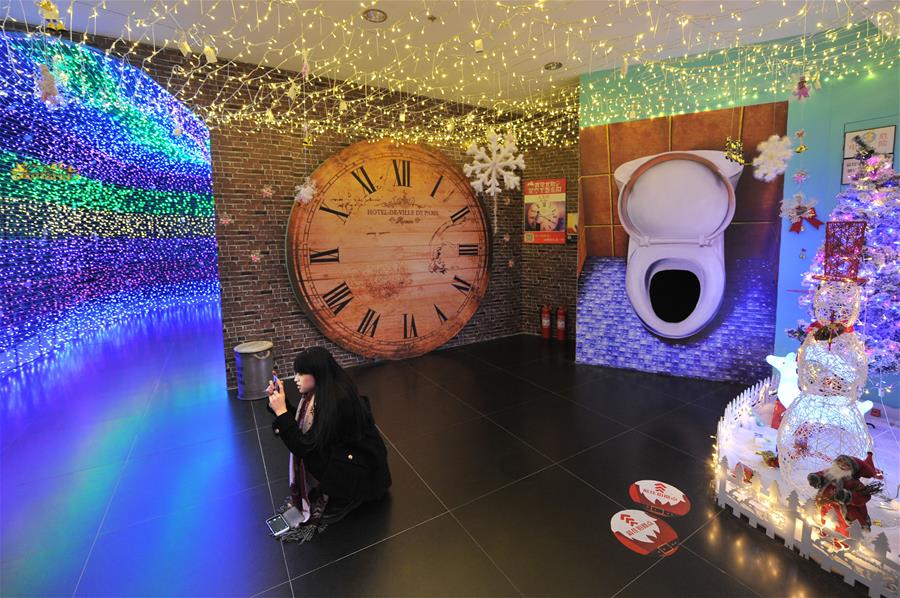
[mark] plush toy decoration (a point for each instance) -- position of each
(840, 486)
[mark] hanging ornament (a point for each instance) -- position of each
(800, 176)
(342, 107)
(266, 192)
(47, 90)
(304, 70)
(256, 257)
(210, 53)
(491, 163)
(774, 154)
(802, 147)
(305, 192)
(797, 209)
(178, 131)
(734, 151)
(292, 91)
(496, 161)
(451, 126)
(802, 91)
(50, 15)
(803, 253)
(185, 47)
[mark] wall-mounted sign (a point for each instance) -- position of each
(545, 211)
(880, 140)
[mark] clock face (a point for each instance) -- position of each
(391, 256)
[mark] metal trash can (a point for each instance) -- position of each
(254, 363)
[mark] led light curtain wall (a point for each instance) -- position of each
(106, 205)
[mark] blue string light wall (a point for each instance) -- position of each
(106, 204)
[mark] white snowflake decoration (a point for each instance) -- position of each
(773, 157)
(305, 192)
(498, 159)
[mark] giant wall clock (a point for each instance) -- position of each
(391, 256)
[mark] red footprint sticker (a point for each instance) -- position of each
(643, 533)
(660, 498)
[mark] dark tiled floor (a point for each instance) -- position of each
(508, 462)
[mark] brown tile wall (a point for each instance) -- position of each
(755, 228)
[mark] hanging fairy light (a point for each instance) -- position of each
(437, 77)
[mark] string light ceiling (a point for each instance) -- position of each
(418, 74)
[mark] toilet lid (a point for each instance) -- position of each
(675, 197)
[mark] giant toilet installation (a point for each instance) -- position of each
(675, 207)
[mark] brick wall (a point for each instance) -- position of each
(257, 300)
(548, 271)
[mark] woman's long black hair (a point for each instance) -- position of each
(340, 414)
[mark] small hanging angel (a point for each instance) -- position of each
(802, 91)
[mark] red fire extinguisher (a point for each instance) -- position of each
(545, 321)
(561, 323)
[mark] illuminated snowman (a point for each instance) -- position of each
(825, 420)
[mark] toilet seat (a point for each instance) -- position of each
(645, 262)
(675, 207)
(653, 225)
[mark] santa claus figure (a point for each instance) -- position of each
(840, 486)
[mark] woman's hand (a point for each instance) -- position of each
(276, 398)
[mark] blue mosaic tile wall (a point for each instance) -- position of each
(732, 348)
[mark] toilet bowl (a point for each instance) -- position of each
(675, 207)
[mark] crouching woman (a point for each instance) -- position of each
(338, 458)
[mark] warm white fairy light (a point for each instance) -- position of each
(350, 92)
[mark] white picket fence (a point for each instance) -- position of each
(860, 558)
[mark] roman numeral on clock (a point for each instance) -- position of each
(436, 185)
(338, 298)
(440, 314)
(362, 177)
(467, 249)
(459, 214)
(369, 323)
(461, 285)
(342, 215)
(409, 326)
(324, 257)
(401, 171)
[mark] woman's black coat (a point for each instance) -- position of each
(348, 468)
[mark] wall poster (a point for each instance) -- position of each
(545, 211)
(879, 139)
